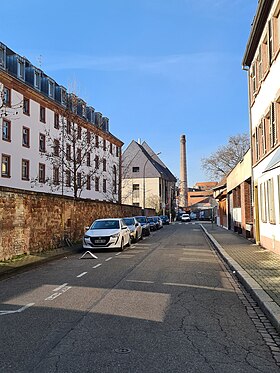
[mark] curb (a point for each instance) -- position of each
(265, 302)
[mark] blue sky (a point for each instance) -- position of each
(157, 68)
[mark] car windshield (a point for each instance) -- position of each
(155, 219)
(141, 219)
(129, 221)
(150, 220)
(106, 224)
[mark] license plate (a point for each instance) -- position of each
(99, 241)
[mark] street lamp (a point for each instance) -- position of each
(144, 180)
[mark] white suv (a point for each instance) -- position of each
(185, 217)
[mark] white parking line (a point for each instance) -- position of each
(82, 274)
(60, 287)
(17, 311)
(118, 253)
(97, 265)
(144, 282)
(107, 260)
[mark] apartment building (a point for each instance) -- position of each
(51, 140)
(262, 61)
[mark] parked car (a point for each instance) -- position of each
(185, 217)
(152, 223)
(135, 228)
(107, 233)
(146, 230)
(165, 219)
(158, 222)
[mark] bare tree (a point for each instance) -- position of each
(222, 161)
(69, 151)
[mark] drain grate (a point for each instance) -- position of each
(122, 350)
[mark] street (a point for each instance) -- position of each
(166, 304)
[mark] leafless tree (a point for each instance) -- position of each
(226, 157)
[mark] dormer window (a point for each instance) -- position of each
(20, 69)
(2, 57)
(51, 89)
(37, 80)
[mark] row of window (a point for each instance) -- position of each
(7, 136)
(267, 133)
(70, 127)
(267, 201)
(267, 52)
(25, 175)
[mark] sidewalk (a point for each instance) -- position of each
(256, 268)
(21, 263)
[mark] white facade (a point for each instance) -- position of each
(23, 134)
(263, 58)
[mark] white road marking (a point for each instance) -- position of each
(82, 274)
(118, 253)
(60, 287)
(107, 260)
(97, 265)
(144, 282)
(17, 311)
(55, 295)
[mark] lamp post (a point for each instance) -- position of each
(144, 180)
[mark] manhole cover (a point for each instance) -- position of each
(123, 350)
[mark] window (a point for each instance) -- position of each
(270, 42)
(25, 169)
(263, 136)
(263, 202)
(271, 204)
(56, 147)
(68, 127)
(56, 175)
(79, 132)
(117, 151)
(56, 120)
(7, 96)
(6, 165)
(79, 180)
(104, 164)
(88, 182)
(88, 159)
(68, 152)
(257, 145)
(253, 79)
(135, 169)
(51, 89)
(104, 185)
(21, 69)
(104, 144)
(25, 137)
(96, 141)
(42, 142)
(135, 190)
(37, 80)
(111, 148)
(6, 130)
(42, 114)
(26, 106)
(42, 173)
(2, 56)
(88, 137)
(68, 178)
(114, 179)
(96, 160)
(79, 155)
(260, 65)
(272, 126)
(96, 184)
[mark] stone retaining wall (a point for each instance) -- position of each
(31, 222)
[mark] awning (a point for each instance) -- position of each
(275, 161)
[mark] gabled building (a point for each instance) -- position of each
(146, 181)
(262, 61)
(51, 140)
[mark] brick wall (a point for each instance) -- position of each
(31, 222)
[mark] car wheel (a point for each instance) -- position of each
(129, 242)
(136, 237)
(141, 237)
(122, 245)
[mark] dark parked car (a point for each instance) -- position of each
(152, 223)
(165, 220)
(158, 222)
(146, 230)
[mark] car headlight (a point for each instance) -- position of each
(115, 235)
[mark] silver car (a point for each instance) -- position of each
(135, 228)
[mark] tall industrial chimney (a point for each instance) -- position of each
(183, 185)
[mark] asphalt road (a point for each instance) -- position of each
(167, 304)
